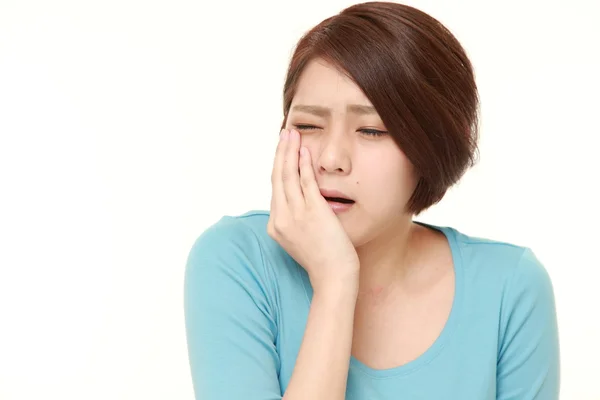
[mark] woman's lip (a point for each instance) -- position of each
(334, 193)
(339, 208)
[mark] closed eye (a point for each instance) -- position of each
(364, 131)
(305, 127)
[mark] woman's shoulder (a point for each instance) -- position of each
(253, 220)
(241, 241)
(487, 247)
(243, 230)
(501, 252)
(504, 264)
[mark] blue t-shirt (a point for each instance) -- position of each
(247, 303)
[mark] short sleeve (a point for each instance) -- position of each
(528, 354)
(230, 324)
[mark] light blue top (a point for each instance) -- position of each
(247, 302)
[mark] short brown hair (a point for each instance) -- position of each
(417, 76)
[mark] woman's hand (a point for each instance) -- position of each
(302, 222)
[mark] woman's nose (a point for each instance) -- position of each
(334, 155)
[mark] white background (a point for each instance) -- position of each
(128, 127)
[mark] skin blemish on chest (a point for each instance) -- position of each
(374, 297)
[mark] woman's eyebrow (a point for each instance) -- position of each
(321, 111)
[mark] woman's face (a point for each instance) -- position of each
(339, 127)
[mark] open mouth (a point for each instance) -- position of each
(339, 200)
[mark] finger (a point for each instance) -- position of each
(278, 200)
(290, 176)
(308, 182)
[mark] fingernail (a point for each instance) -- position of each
(282, 134)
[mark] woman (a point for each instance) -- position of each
(336, 292)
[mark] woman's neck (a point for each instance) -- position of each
(391, 260)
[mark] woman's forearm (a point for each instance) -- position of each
(321, 369)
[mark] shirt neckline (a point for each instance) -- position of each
(449, 327)
(447, 331)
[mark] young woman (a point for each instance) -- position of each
(337, 293)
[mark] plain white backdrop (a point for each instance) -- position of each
(128, 127)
